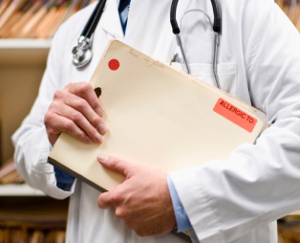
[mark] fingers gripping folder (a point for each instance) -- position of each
(158, 117)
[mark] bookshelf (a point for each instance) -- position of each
(20, 77)
(32, 219)
(25, 212)
(16, 51)
(18, 73)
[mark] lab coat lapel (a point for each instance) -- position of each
(110, 21)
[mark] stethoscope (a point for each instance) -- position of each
(82, 53)
(216, 28)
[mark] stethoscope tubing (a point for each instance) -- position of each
(173, 18)
(217, 27)
(215, 59)
(85, 40)
(92, 23)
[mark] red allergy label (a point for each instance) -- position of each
(235, 115)
(113, 64)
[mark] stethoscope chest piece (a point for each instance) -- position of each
(82, 53)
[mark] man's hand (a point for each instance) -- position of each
(77, 111)
(142, 201)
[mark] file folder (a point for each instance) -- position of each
(156, 116)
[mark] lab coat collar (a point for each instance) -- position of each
(110, 21)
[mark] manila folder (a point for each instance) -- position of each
(158, 117)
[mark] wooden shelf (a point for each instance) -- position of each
(23, 190)
(25, 44)
(16, 52)
(22, 64)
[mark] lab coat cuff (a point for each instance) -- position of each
(197, 204)
(45, 171)
(183, 223)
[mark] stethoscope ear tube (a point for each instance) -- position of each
(217, 27)
(175, 27)
(93, 20)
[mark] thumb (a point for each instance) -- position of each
(115, 164)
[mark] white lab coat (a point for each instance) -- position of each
(259, 62)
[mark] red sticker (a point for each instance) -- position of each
(235, 115)
(114, 64)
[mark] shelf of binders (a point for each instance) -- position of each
(36, 18)
(14, 52)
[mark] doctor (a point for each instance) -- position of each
(237, 200)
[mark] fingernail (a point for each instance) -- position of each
(99, 111)
(103, 157)
(102, 128)
(98, 138)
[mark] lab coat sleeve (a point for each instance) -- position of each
(259, 183)
(32, 146)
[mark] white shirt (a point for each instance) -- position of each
(226, 201)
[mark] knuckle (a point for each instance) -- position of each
(120, 213)
(68, 125)
(84, 87)
(115, 162)
(96, 120)
(69, 85)
(49, 117)
(76, 117)
(95, 103)
(116, 197)
(58, 94)
(81, 136)
(81, 104)
(52, 106)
